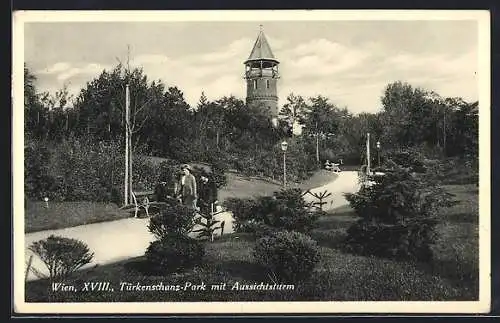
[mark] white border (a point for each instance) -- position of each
(481, 306)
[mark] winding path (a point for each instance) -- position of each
(126, 238)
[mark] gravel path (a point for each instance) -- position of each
(126, 238)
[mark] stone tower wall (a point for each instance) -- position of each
(264, 94)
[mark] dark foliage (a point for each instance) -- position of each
(398, 213)
(286, 210)
(174, 253)
(61, 255)
(174, 219)
(289, 256)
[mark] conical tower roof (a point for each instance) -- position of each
(261, 50)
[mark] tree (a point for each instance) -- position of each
(321, 120)
(461, 127)
(398, 213)
(37, 107)
(210, 117)
(32, 108)
(293, 112)
(30, 93)
(171, 132)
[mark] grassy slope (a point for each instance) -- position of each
(68, 214)
(241, 187)
(453, 275)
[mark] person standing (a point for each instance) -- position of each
(186, 187)
(207, 194)
(160, 192)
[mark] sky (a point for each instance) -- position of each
(350, 62)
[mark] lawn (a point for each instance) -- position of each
(59, 215)
(242, 187)
(340, 276)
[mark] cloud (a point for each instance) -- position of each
(321, 57)
(350, 75)
(146, 59)
(234, 50)
(55, 68)
(91, 69)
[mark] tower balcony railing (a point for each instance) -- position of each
(261, 73)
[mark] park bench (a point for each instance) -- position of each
(145, 200)
(142, 199)
(333, 167)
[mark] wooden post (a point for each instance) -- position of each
(368, 154)
(127, 103)
(284, 169)
(130, 162)
(317, 147)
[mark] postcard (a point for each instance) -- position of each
(251, 162)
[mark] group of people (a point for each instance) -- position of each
(200, 195)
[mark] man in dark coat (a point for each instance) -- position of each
(161, 192)
(208, 194)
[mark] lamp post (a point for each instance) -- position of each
(284, 146)
(378, 152)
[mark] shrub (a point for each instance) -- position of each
(243, 211)
(39, 182)
(398, 213)
(286, 210)
(173, 253)
(208, 225)
(172, 219)
(167, 170)
(219, 166)
(290, 256)
(62, 256)
(258, 229)
(78, 169)
(408, 158)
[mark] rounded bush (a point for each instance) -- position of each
(174, 253)
(398, 214)
(61, 255)
(258, 229)
(391, 240)
(285, 210)
(290, 256)
(172, 219)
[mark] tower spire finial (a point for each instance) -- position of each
(261, 27)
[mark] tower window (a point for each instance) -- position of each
(267, 83)
(254, 84)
